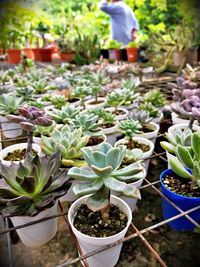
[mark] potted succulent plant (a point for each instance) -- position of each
(9, 104)
(132, 51)
(97, 101)
(25, 92)
(66, 50)
(114, 49)
(29, 192)
(181, 185)
(153, 112)
(131, 130)
(42, 131)
(81, 92)
(115, 99)
(14, 52)
(28, 118)
(97, 179)
(155, 97)
(91, 127)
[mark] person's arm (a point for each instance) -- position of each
(108, 8)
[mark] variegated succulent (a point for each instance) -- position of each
(69, 142)
(32, 186)
(103, 174)
(190, 158)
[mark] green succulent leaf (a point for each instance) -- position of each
(167, 146)
(82, 174)
(99, 200)
(196, 144)
(184, 155)
(87, 188)
(179, 169)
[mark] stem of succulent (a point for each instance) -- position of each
(191, 122)
(30, 142)
(115, 110)
(105, 211)
(83, 103)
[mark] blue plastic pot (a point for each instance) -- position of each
(183, 202)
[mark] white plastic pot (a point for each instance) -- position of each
(10, 129)
(182, 126)
(177, 120)
(89, 105)
(158, 119)
(151, 135)
(37, 140)
(104, 140)
(111, 134)
(4, 152)
(146, 155)
(119, 117)
(109, 257)
(40, 233)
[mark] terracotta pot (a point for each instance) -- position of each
(1, 51)
(132, 54)
(67, 56)
(36, 54)
(29, 53)
(45, 54)
(14, 56)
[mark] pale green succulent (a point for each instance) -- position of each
(89, 124)
(69, 142)
(188, 157)
(182, 137)
(134, 155)
(115, 99)
(103, 174)
(81, 92)
(130, 128)
(40, 87)
(65, 115)
(4, 77)
(10, 104)
(141, 116)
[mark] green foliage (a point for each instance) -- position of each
(25, 92)
(115, 99)
(32, 186)
(148, 107)
(103, 174)
(65, 115)
(190, 158)
(141, 116)
(9, 104)
(182, 137)
(130, 128)
(113, 44)
(69, 142)
(133, 45)
(58, 101)
(155, 97)
(4, 77)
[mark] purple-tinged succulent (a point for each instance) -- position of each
(29, 118)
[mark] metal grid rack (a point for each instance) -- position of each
(134, 231)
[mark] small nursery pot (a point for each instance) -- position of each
(142, 140)
(114, 54)
(4, 152)
(10, 129)
(151, 135)
(182, 126)
(183, 202)
(111, 134)
(107, 258)
(29, 53)
(67, 56)
(45, 54)
(90, 105)
(132, 54)
(177, 120)
(14, 56)
(104, 140)
(119, 117)
(40, 233)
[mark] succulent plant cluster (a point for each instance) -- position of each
(65, 115)
(104, 174)
(32, 186)
(28, 118)
(186, 95)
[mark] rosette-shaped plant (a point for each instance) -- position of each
(190, 158)
(81, 92)
(131, 156)
(182, 137)
(4, 77)
(141, 116)
(32, 186)
(28, 118)
(155, 97)
(88, 123)
(148, 107)
(9, 104)
(115, 99)
(103, 174)
(69, 142)
(65, 115)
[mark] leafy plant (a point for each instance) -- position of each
(88, 123)
(32, 186)
(96, 111)
(155, 98)
(69, 142)
(58, 101)
(182, 137)
(28, 118)
(108, 118)
(130, 128)
(25, 92)
(190, 158)
(150, 109)
(40, 87)
(102, 175)
(44, 130)
(81, 92)
(113, 44)
(115, 99)
(100, 78)
(65, 115)
(132, 155)
(21, 82)
(133, 44)
(35, 76)
(141, 116)
(95, 91)
(42, 29)
(36, 103)
(4, 77)
(9, 104)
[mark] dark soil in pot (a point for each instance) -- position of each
(146, 129)
(92, 224)
(118, 112)
(95, 102)
(95, 140)
(135, 144)
(17, 155)
(181, 186)
(107, 125)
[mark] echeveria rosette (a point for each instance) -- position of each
(32, 186)
(28, 118)
(103, 174)
(190, 158)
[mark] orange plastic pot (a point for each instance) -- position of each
(29, 53)
(68, 56)
(132, 54)
(14, 56)
(1, 51)
(36, 54)
(45, 54)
